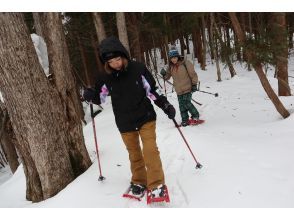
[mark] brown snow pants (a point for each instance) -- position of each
(146, 166)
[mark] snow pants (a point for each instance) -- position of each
(186, 106)
(145, 164)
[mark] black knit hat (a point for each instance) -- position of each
(110, 55)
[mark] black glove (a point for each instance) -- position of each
(167, 108)
(162, 72)
(91, 95)
(194, 88)
(170, 111)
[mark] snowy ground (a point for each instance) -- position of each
(246, 149)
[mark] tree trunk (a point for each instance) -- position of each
(154, 57)
(281, 52)
(122, 30)
(194, 45)
(7, 144)
(60, 69)
(182, 42)
(250, 36)
(99, 25)
(101, 35)
(258, 68)
(211, 41)
(134, 23)
(10, 152)
(164, 52)
(187, 43)
(148, 62)
(84, 62)
(166, 36)
(214, 48)
(3, 161)
(224, 47)
(237, 48)
(143, 48)
(204, 42)
(36, 112)
(243, 26)
(228, 38)
(38, 24)
(95, 49)
(290, 38)
(199, 47)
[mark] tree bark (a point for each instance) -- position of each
(258, 68)
(203, 41)
(194, 45)
(134, 24)
(122, 30)
(38, 24)
(95, 49)
(214, 48)
(182, 43)
(199, 47)
(166, 35)
(250, 37)
(60, 69)
(210, 40)
(36, 111)
(99, 25)
(281, 52)
(164, 52)
(187, 43)
(244, 27)
(224, 47)
(84, 62)
(3, 161)
(7, 144)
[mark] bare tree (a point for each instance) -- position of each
(225, 48)
(101, 34)
(214, 48)
(134, 20)
(99, 25)
(258, 67)
(122, 30)
(281, 52)
(60, 69)
(36, 112)
(203, 28)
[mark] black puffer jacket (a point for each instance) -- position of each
(131, 107)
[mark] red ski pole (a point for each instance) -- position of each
(198, 165)
(101, 178)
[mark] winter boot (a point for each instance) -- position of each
(135, 191)
(184, 123)
(158, 194)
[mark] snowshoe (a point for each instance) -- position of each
(158, 194)
(193, 121)
(135, 191)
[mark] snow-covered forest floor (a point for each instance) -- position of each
(245, 147)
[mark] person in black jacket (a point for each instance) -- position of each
(131, 86)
